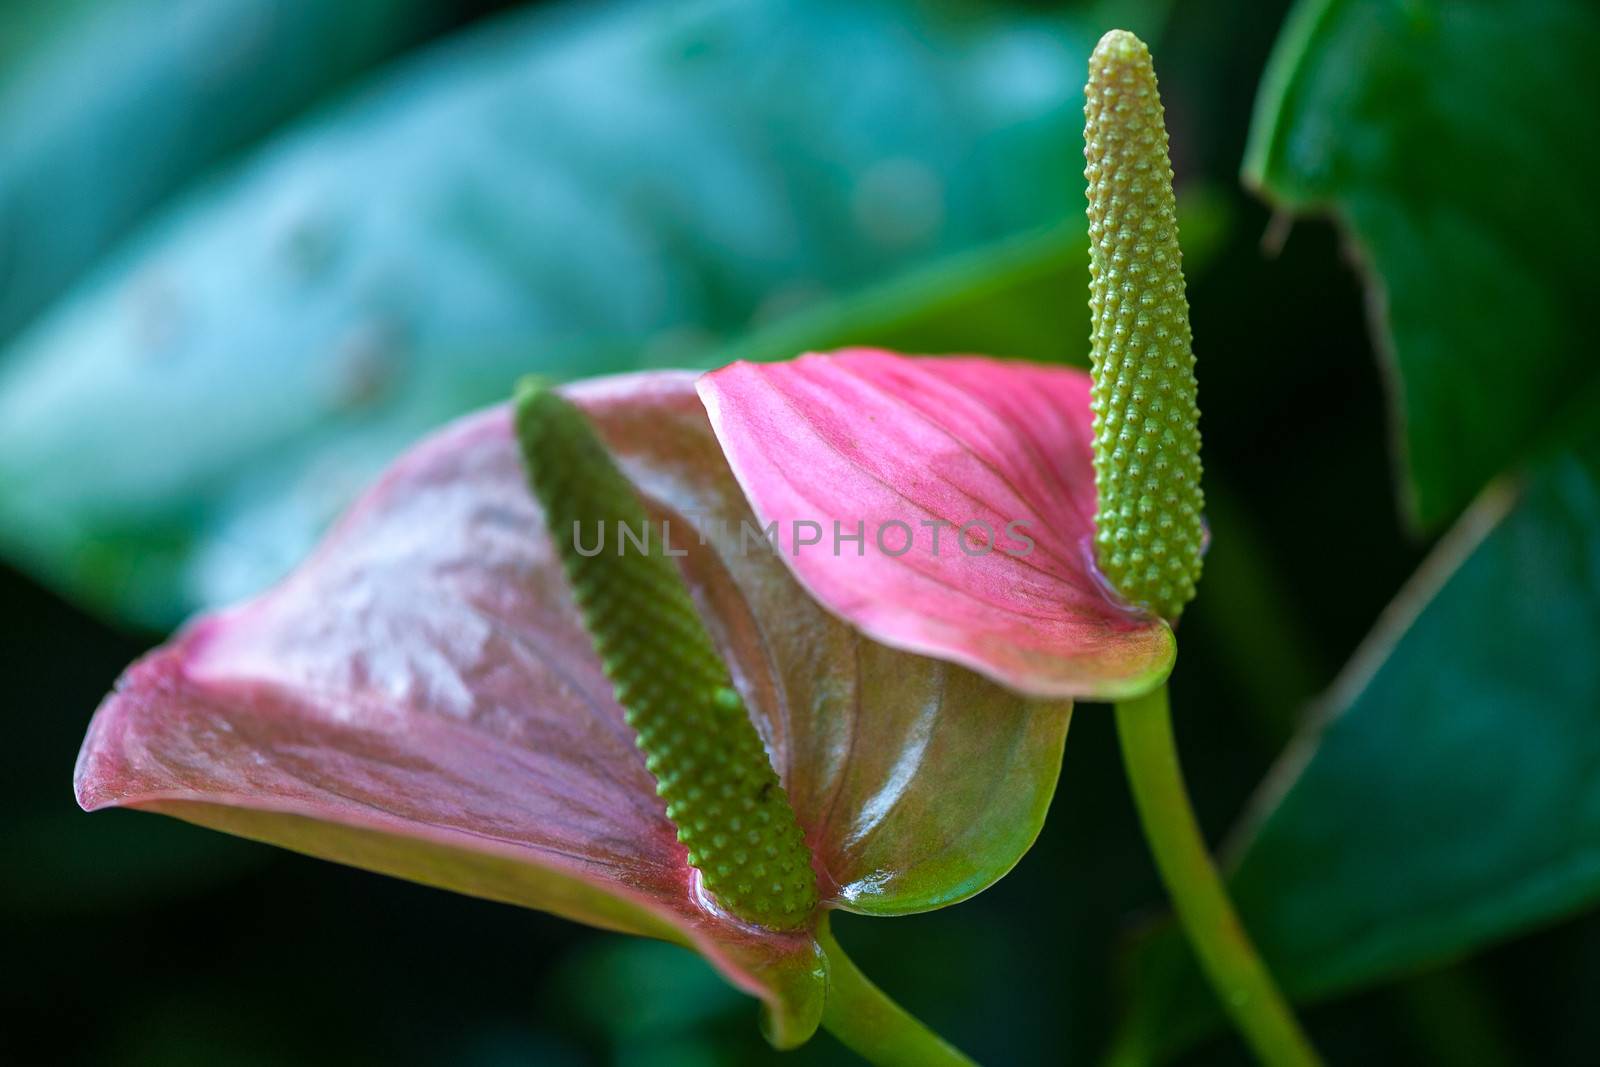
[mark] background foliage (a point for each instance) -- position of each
(247, 251)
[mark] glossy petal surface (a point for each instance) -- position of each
(419, 699)
(935, 459)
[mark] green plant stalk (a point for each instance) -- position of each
(863, 1017)
(1229, 960)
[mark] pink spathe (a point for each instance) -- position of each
(419, 698)
(971, 483)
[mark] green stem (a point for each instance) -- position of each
(860, 1015)
(1240, 979)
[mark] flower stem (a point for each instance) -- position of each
(1241, 980)
(862, 1016)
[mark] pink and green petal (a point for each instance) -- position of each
(420, 699)
(869, 442)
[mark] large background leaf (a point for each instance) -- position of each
(1455, 142)
(1450, 795)
(1445, 797)
(107, 106)
(569, 191)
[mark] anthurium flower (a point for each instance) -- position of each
(420, 699)
(952, 500)
(1094, 479)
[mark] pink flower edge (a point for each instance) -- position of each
(958, 452)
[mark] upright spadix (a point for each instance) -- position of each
(1149, 534)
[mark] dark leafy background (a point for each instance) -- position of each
(247, 251)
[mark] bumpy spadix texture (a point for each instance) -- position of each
(1149, 534)
(699, 742)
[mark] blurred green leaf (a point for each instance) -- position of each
(107, 106)
(1012, 298)
(1454, 141)
(571, 191)
(1450, 797)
